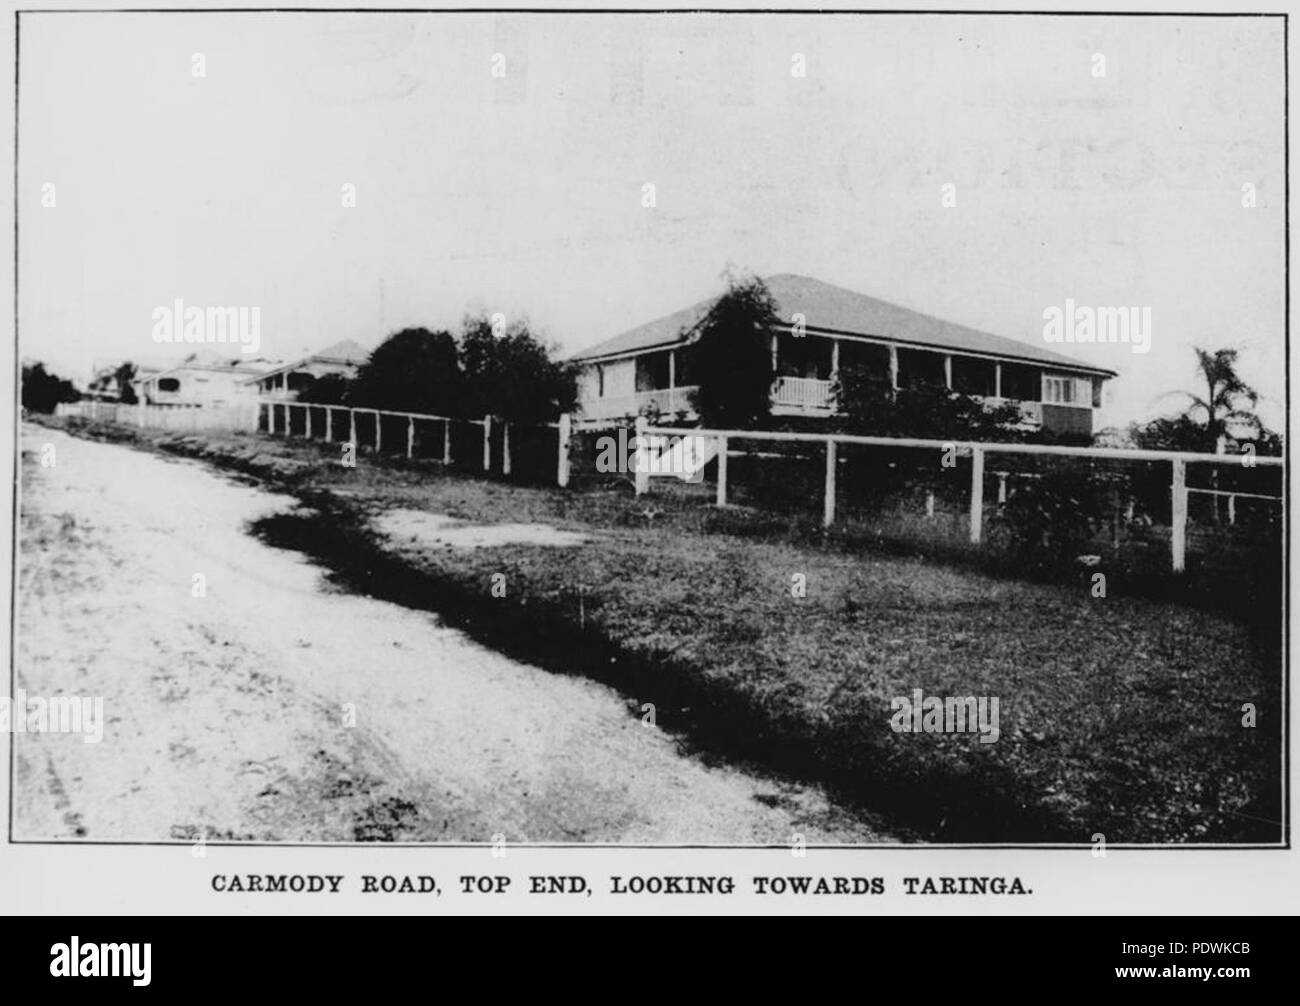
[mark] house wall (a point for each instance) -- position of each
(1067, 419)
(620, 378)
(200, 387)
(588, 386)
(620, 383)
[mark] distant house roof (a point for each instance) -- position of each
(208, 360)
(834, 309)
(344, 351)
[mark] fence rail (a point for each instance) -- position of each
(377, 427)
(977, 452)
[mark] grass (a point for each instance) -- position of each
(1120, 715)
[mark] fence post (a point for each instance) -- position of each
(308, 428)
(446, 441)
(139, 413)
(379, 426)
(352, 430)
(487, 443)
(929, 504)
(828, 510)
(410, 436)
(329, 424)
(505, 448)
(562, 462)
(976, 494)
(1178, 521)
(640, 459)
(1232, 509)
(722, 470)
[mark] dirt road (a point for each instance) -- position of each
(245, 698)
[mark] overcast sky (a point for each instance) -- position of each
(524, 194)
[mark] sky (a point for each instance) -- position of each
(525, 193)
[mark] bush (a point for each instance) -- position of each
(41, 391)
(872, 407)
(1057, 514)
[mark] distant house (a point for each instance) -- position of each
(650, 366)
(287, 382)
(103, 385)
(204, 379)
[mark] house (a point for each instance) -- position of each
(286, 383)
(204, 379)
(104, 386)
(649, 367)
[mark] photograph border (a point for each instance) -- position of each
(1285, 746)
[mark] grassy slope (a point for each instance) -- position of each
(1118, 715)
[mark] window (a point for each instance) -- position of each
(169, 384)
(600, 380)
(1064, 391)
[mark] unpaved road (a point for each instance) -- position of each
(276, 708)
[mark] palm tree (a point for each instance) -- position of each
(1226, 395)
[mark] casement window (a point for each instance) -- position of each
(1067, 391)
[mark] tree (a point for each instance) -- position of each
(731, 356)
(513, 374)
(1226, 394)
(42, 391)
(413, 370)
(124, 375)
